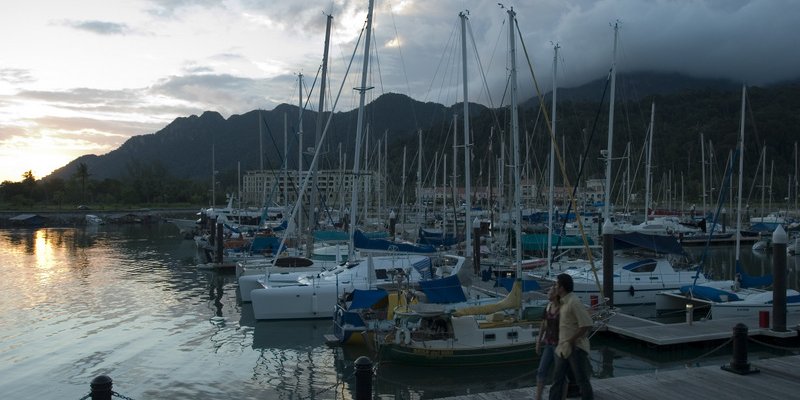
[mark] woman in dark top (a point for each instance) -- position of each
(547, 341)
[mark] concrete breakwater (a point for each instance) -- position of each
(76, 218)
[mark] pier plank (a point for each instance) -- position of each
(778, 378)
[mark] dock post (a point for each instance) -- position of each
(739, 364)
(219, 245)
(476, 246)
(363, 378)
(608, 263)
(100, 388)
(779, 241)
(392, 224)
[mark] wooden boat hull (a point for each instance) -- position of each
(524, 352)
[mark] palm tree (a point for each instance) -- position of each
(83, 174)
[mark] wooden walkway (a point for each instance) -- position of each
(778, 378)
(678, 333)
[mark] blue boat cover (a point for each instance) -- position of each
(528, 285)
(284, 224)
(708, 293)
(749, 281)
(268, 244)
(360, 241)
(764, 227)
(444, 290)
(367, 298)
(436, 238)
(656, 243)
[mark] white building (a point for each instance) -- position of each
(281, 187)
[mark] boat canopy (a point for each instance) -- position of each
(656, 243)
(367, 298)
(361, 241)
(444, 290)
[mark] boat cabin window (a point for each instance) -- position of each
(642, 266)
(489, 337)
(381, 274)
(513, 335)
(649, 267)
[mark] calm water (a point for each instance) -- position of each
(128, 302)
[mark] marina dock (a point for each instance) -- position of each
(661, 334)
(778, 378)
(770, 378)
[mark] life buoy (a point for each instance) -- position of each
(402, 336)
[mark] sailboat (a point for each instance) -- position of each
(500, 332)
(641, 267)
(741, 296)
(309, 296)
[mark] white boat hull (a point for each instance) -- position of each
(636, 281)
(316, 296)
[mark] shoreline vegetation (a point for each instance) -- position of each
(63, 217)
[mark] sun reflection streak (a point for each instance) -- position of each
(44, 253)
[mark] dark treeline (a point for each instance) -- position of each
(145, 184)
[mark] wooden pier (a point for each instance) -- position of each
(661, 334)
(778, 378)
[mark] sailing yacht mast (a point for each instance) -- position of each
(419, 177)
(320, 117)
(763, 163)
(515, 145)
(403, 188)
(213, 177)
(467, 147)
(300, 153)
(647, 174)
(552, 167)
(703, 169)
(607, 206)
(362, 91)
(741, 169)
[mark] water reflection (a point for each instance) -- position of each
(720, 262)
(128, 301)
(402, 381)
(293, 358)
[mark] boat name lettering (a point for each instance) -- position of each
(433, 353)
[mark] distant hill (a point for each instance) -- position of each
(184, 147)
(639, 85)
(685, 107)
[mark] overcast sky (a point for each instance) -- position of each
(80, 77)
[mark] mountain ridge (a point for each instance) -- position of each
(184, 146)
